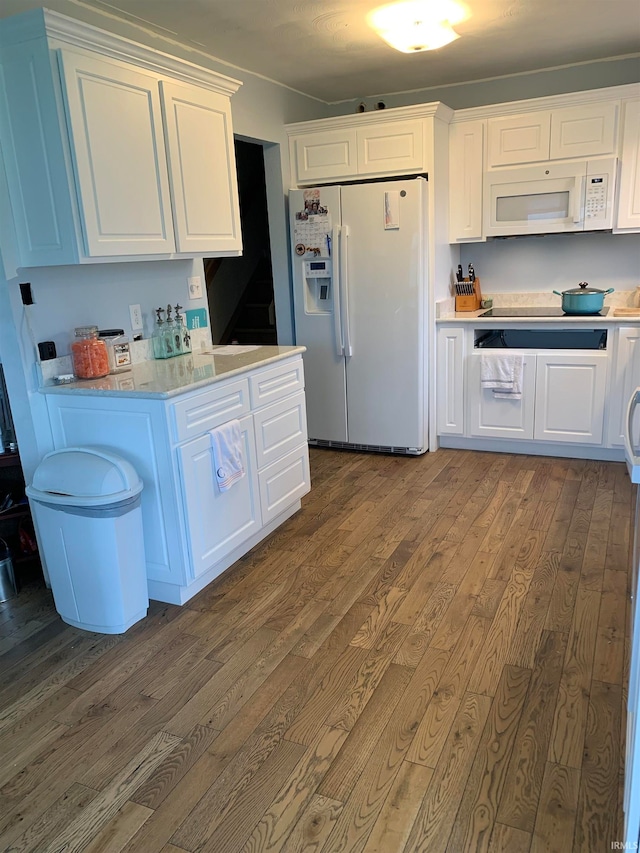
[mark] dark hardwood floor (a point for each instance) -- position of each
(430, 656)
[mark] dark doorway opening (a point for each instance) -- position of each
(240, 290)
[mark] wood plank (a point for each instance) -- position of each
(597, 816)
(314, 826)
(570, 718)
(363, 738)
(433, 731)
(238, 797)
(102, 808)
(503, 628)
(52, 821)
(519, 802)
(506, 839)
(474, 822)
(432, 827)
(608, 660)
(372, 787)
(117, 833)
(556, 815)
(391, 829)
(292, 799)
(174, 768)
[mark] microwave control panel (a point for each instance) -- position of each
(596, 198)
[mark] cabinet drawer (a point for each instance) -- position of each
(203, 412)
(284, 482)
(275, 383)
(280, 428)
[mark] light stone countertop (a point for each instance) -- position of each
(166, 378)
(446, 313)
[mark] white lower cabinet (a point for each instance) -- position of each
(570, 397)
(624, 380)
(450, 381)
(192, 530)
(496, 417)
(218, 522)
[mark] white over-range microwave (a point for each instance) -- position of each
(548, 198)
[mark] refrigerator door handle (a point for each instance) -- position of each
(337, 308)
(344, 289)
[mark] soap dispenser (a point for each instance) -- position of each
(185, 337)
(158, 338)
(174, 344)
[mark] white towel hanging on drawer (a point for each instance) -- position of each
(228, 460)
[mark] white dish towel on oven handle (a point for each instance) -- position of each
(228, 460)
(502, 373)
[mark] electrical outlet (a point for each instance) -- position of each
(195, 287)
(135, 313)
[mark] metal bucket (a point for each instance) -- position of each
(8, 587)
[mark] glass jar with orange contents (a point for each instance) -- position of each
(89, 352)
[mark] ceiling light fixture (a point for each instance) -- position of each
(417, 25)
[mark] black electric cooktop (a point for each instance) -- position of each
(538, 312)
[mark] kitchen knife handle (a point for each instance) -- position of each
(344, 289)
(337, 272)
(632, 459)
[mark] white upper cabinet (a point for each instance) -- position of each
(323, 156)
(391, 147)
(368, 145)
(518, 139)
(120, 166)
(466, 168)
(113, 151)
(628, 218)
(586, 130)
(202, 169)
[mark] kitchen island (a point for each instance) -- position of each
(158, 416)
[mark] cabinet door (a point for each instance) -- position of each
(518, 139)
(450, 381)
(202, 169)
(280, 428)
(217, 522)
(324, 155)
(585, 131)
(626, 378)
(570, 393)
(115, 125)
(465, 181)
(391, 148)
(495, 417)
(628, 215)
(284, 482)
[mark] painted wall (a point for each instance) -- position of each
(534, 84)
(555, 261)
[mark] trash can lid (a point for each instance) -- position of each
(84, 476)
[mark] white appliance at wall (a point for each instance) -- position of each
(360, 297)
(551, 197)
(632, 757)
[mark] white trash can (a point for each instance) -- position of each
(86, 504)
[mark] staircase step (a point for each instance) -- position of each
(255, 336)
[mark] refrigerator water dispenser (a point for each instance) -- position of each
(318, 289)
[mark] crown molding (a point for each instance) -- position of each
(436, 110)
(62, 31)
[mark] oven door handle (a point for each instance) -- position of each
(633, 461)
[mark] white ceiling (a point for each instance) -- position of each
(324, 48)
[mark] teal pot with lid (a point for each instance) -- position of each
(583, 299)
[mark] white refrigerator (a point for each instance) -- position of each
(360, 299)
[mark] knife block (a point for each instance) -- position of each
(470, 302)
